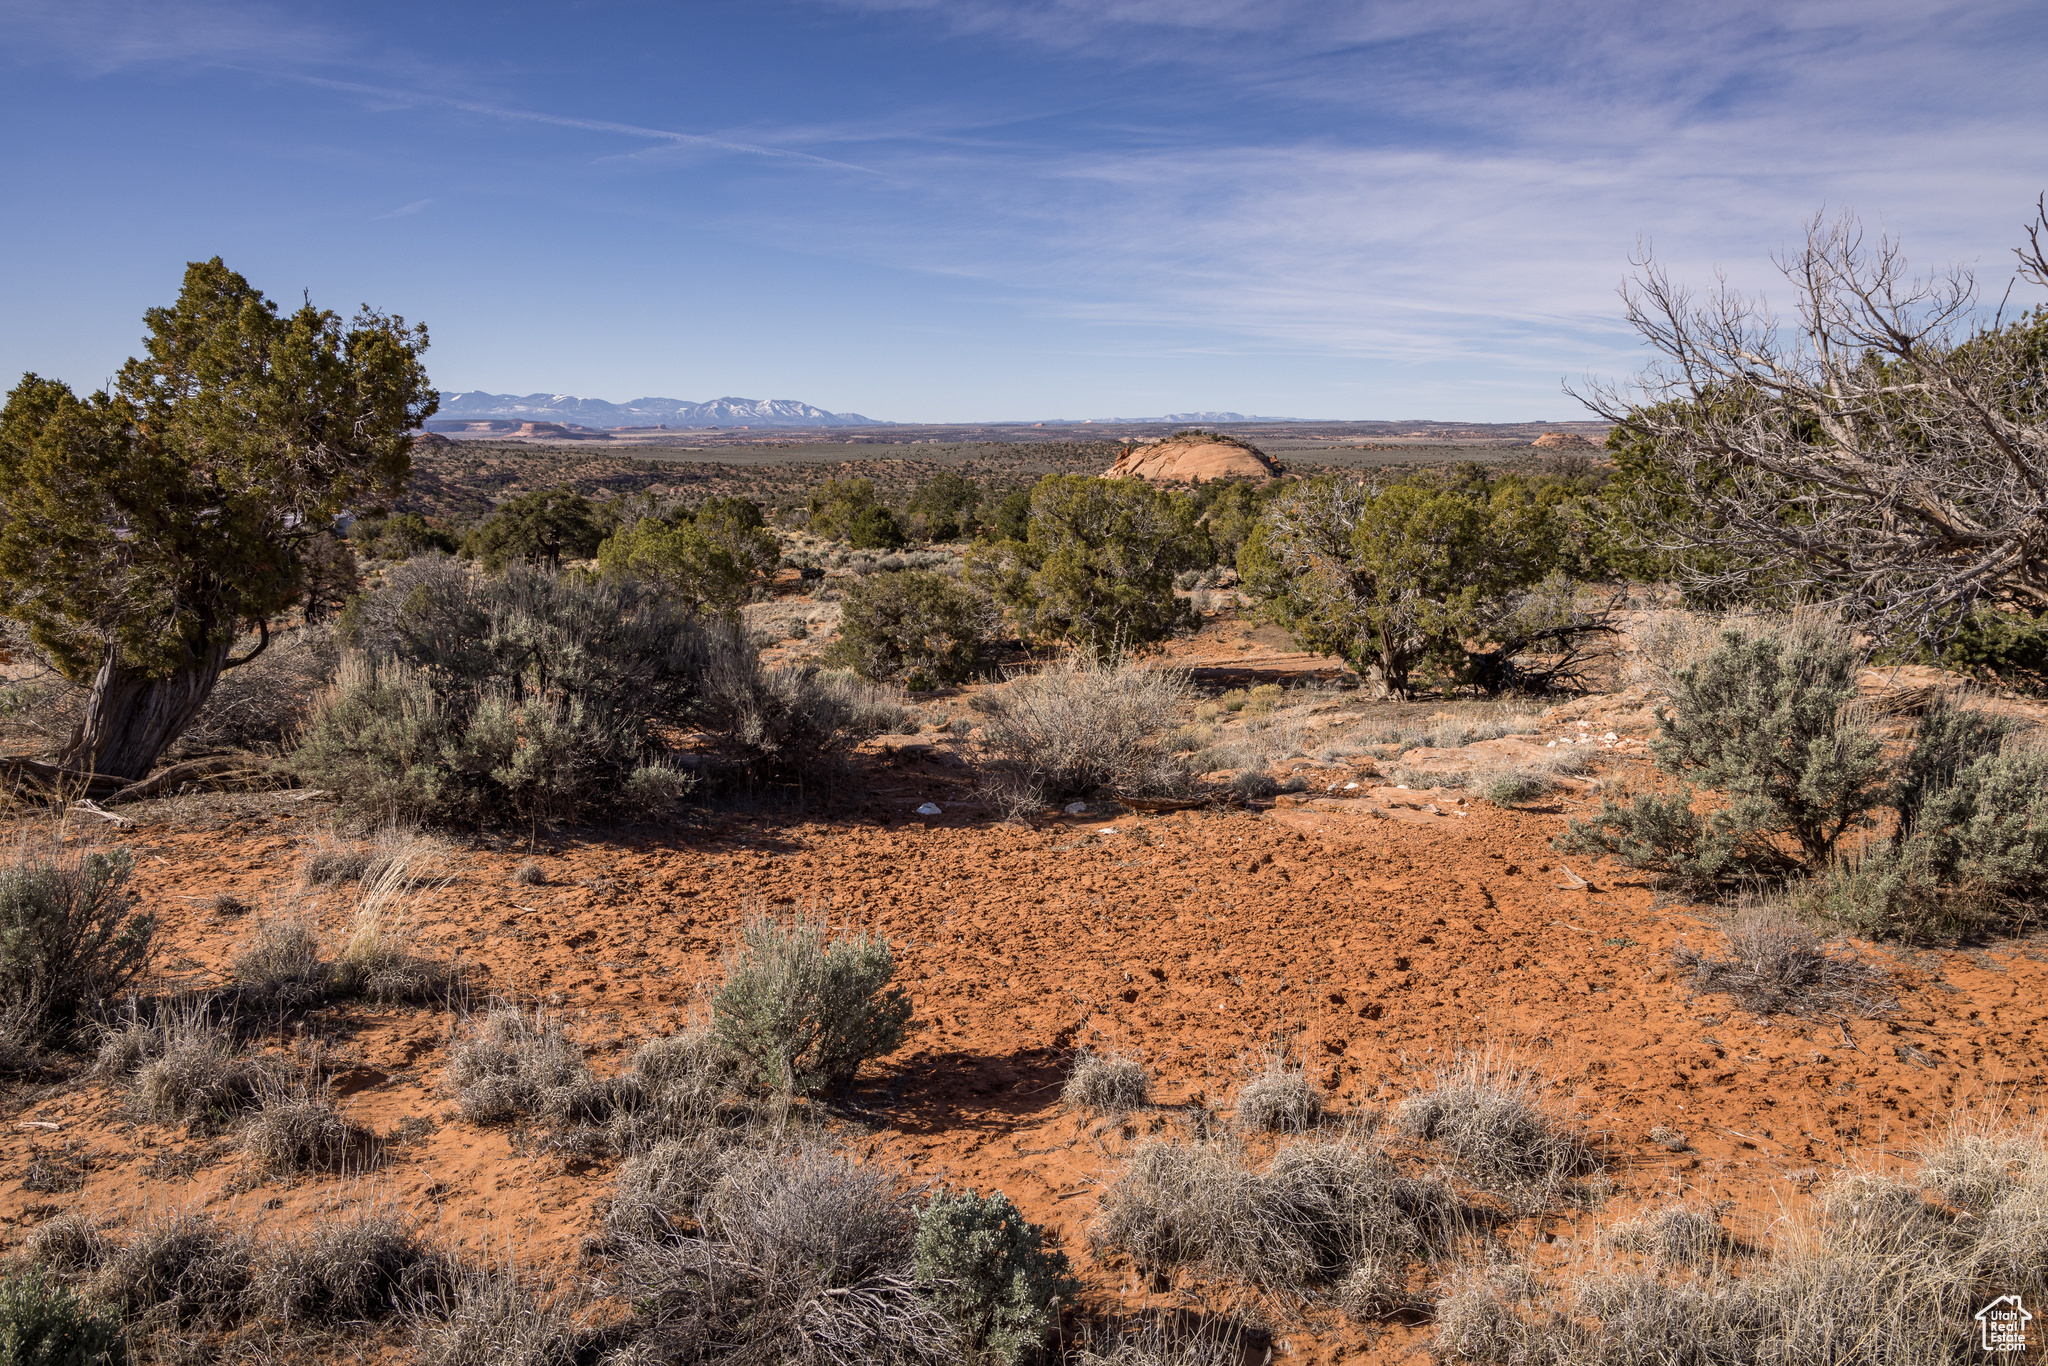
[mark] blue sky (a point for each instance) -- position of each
(958, 210)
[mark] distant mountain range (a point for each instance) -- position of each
(477, 405)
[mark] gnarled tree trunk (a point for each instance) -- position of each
(131, 718)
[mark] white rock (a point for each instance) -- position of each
(1076, 808)
(1351, 787)
(1109, 830)
(930, 809)
(1611, 736)
(1551, 745)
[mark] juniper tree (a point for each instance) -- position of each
(145, 528)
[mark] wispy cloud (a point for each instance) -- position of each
(404, 210)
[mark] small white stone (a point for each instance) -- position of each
(1109, 830)
(930, 809)
(1400, 787)
(1611, 736)
(1551, 745)
(1076, 808)
(1351, 787)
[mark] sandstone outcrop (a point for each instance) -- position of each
(1195, 457)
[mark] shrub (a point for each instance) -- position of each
(659, 1186)
(69, 935)
(540, 528)
(802, 1012)
(509, 1063)
(875, 528)
(1082, 725)
(1969, 847)
(1488, 1121)
(354, 1270)
(1253, 785)
(837, 503)
(711, 563)
(1318, 1213)
(1676, 1234)
(530, 874)
(1281, 1099)
(185, 1262)
(189, 1067)
(68, 1243)
(1883, 1274)
(281, 962)
(297, 1129)
(516, 697)
(1777, 965)
(987, 1269)
(43, 1323)
(1403, 577)
(1109, 1084)
(376, 959)
(805, 1253)
(1096, 565)
(916, 628)
(499, 1318)
(794, 719)
(1765, 721)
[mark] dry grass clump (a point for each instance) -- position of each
(377, 958)
(803, 1255)
(281, 962)
(1683, 1234)
(1107, 1084)
(68, 1243)
(1487, 1119)
(659, 1186)
(1776, 965)
(1882, 1275)
(368, 1267)
(1319, 1216)
(297, 1129)
(530, 874)
(187, 1265)
(509, 1063)
(333, 860)
(500, 1318)
(1280, 1099)
(187, 1066)
(1166, 1340)
(1531, 779)
(1082, 725)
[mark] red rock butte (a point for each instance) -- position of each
(1194, 457)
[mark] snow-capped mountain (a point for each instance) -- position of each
(643, 412)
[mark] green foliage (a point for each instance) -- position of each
(942, 509)
(539, 528)
(43, 1323)
(802, 1012)
(399, 537)
(836, 503)
(987, 1269)
(876, 528)
(1229, 510)
(1096, 567)
(713, 562)
(1011, 520)
(795, 719)
(332, 576)
(1970, 843)
(516, 697)
(69, 934)
(920, 629)
(1761, 721)
(154, 523)
(1396, 578)
(2005, 648)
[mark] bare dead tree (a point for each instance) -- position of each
(1887, 455)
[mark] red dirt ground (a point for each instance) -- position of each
(1371, 937)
